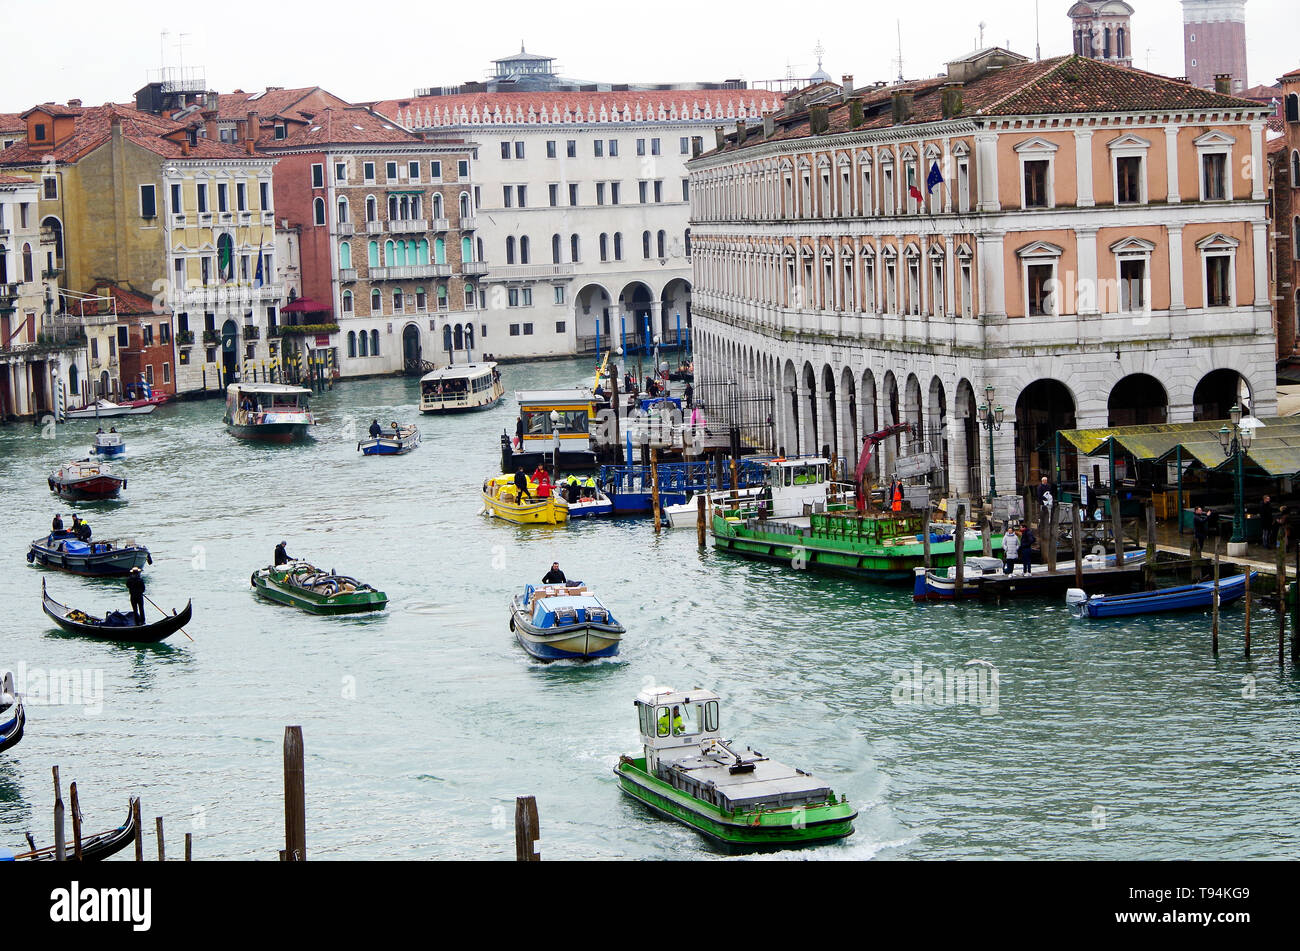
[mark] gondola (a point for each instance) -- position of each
(79, 622)
(94, 848)
(13, 719)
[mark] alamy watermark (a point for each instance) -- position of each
(976, 684)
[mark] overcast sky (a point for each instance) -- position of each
(102, 52)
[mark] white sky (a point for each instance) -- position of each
(102, 52)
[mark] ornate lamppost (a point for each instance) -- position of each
(990, 417)
(1235, 441)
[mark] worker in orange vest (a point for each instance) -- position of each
(896, 496)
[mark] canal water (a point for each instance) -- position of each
(1096, 740)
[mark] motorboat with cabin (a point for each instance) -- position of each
(268, 412)
(460, 388)
(108, 445)
(554, 432)
(86, 480)
(105, 408)
(688, 772)
(564, 622)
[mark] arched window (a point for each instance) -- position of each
(688, 242)
(318, 207)
(374, 343)
(523, 250)
(1119, 43)
(1295, 169)
(510, 249)
(446, 338)
(460, 338)
(661, 242)
(618, 245)
(439, 251)
(442, 296)
(372, 208)
(390, 253)
(376, 302)
(392, 208)
(27, 263)
(226, 257)
(604, 247)
(73, 388)
(466, 249)
(398, 300)
(478, 245)
(363, 345)
(645, 244)
(372, 253)
(345, 254)
(4, 264)
(347, 302)
(555, 249)
(343, 210)
(1295, 237)
(352, 343)
(401, 253)
(574, 248)
(464, 205)
(1293, 108)
(437, 204)
(422, 252)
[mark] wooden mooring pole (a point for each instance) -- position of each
(162, 851)
(959, 550)
(1246, 621)
(76, 821)
(139, 831)
(527, 830)
(1076, 535)
(189, 846)
(654, 486)
(60, 841)
(1117, 530)
(699, 519)
(987, 530)
(1149, 569)
(1214, 609)
(295, 797)
(925, 539)
(1049, 546)
(1281, 593)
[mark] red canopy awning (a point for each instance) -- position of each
(305, 305)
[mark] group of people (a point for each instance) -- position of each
(79, 529)
(376, 430)
(1273, 524)
(100, 430)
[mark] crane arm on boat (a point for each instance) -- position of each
(864, 458)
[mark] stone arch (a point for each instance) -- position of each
(1043, 407)
(829, 413)
(1218, 391)
(936, 424)
(1138, 399)
(850, 434)
(790, 410)
(810, 433)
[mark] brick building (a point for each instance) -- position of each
(1214, 42)
(1284, 207)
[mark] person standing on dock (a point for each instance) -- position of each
(688, 393)
(1044, 493)
(135, 587)
(1200, 528)
(1010, 548)
(1266, 536)
(1027, 540)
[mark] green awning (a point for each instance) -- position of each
(1275, 448)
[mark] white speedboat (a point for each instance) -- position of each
(105, 408)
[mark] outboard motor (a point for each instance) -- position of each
(1075, 599)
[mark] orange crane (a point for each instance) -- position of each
(864, 459)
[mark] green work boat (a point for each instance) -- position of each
(321, 592)
(804, 520)
(689, 773)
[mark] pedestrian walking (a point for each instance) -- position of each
(1200, 528)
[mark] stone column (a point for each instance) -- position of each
(1089, 294)
(1257, 168)
(1177, 288)
(1259, 251)
(1083, 167)
(1171, 162)
(986, 163)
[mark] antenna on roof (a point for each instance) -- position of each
(1038, 46)
(899, 26)
(162, 50)
(981, 43)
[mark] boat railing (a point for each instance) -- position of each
(678, 477)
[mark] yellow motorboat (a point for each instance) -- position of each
(501, 500)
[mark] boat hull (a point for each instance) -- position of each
(549, 511)
(88, 490)
(774, 828)
(108, 452)
(94, 564)
(270, 432)
(446, 408)
(89, 412)
(133, 634)
(582, 641)
(933, 586)
(356, 602)
(1181, 598)
(11, 730)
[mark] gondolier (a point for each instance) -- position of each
(135, 586)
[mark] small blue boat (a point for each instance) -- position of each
(1182, 598)
(391, 442)
(108, 445)
(564, 622)
(99, 559)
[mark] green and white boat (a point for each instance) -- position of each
(307, 587)
(804, 520)
(689, 773)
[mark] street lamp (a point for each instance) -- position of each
(555, 454)
(990, 417)
(1236, 443)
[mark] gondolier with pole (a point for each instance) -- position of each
(135, 587)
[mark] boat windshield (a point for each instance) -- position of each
(538, 422)
(454, 387)
(683, 719)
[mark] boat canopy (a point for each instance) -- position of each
(1274, 448)
(672, 718)
(459, 371)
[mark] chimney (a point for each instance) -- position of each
(250, 146)
(846, 89)
(769, 125)
(252, 128)
(741, 132)
(856, 114)
(697, 146)
(819, 120)
(74, 103)
(185, 146)
(902, 105)
(952, 99)
(210, 125)
(1223, 83)
(719, 136)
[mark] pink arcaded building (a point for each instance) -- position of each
(1214, 42)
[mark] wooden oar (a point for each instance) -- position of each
(165, 614)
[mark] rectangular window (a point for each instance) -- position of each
(963, 186)
(559, 294)
(613, 148)
(684, 145)
(146, 335)
(528, 329)
(413, 171)
(223, 197)
(462, 169)
(1214, 172)
(368, 171)
(1218, 278)
(519, 150)
(571, 148)
(263, 194)
(654, 146)
(318, 176)
(148, 202)
(202, 191)
(241, 196)
(435, 171)
(967, 291)
(573, 194)
(122, 336)
(598, 145)
(559, 326)
(51, 192)
(1128, 180)
(640, 146)
(550, 148)
(512, 297)
(167, 372)
(505, 150)
(600, 193)
(523, 193)
(1132, 285)
(340, 171)
(642, 190)
(659, 190)
(1040, 297)
(508, 195)
(527, 295)
(613, 193)
(1036, 183)
(514, 330)
(553, 193)
(686, 189)
(390, 171)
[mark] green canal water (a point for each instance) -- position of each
(421, 724)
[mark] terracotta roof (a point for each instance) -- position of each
(1064, 85)
(300, 103)
(352, 125)
(55, 109)
(11, 122)
(128, 302)
(579, 108)
(1294, 74)
(16, 180)
(94, 127)
(1262, 92)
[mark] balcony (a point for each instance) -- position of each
(268, 217)
(468, 223)
(252, 332)
(347, 275)
(527, 272)
(409, 226)
(474, 268)
(438, 224)
(409, 271)
(211, 337)
(374, 227)
(344, 229)
(185, 338)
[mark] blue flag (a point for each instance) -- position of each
(935, 178)
(257, 278)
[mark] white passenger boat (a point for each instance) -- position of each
(461, 387)
(270, 412)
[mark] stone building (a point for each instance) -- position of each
(1214, 42)
(1074, 234)
(1103, 30)
(1284, 197)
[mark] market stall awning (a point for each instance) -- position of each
(305, 305)
(1275, 448)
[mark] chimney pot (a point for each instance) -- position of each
(856, 114)
(1223, 83)
(74, 103)
(741, 132)
(769, 125)
(719, 136)
(819, 120)
(846, 90)
(902, 105)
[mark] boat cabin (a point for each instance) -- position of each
(798, 486)
(460, 386)
(573, 409)
(255, 403)
(672, 719)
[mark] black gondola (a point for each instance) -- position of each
(94, 848)
(79, 622)
(12, 715)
